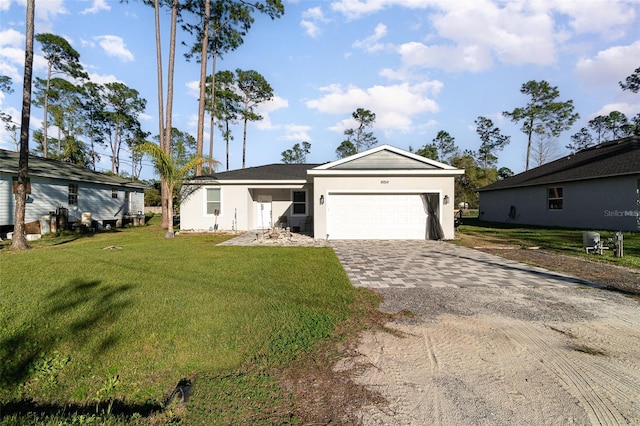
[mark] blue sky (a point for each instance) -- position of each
(420, 65)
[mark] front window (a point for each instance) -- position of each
(299, 205)
(114, 193)
(214, 204)
(73, 194)
(554, 198)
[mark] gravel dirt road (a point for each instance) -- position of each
(502, 356)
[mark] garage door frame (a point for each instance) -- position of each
(331, 226)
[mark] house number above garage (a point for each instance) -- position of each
(384, 182)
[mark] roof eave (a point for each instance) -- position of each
(555, 182)
(247, 182)
(386, 172)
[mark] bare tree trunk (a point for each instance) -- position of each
(244, 143)
(45, 124)
(203, 85)
(213, 108)
(19, 240)
(161, 118)
(160, 81)
(167, 196)
(227, 135)
(529, 142)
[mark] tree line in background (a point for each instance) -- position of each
(88, 116)
(76, 109)
(543, 119)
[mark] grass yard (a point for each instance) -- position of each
(560, 240)
(100, 329)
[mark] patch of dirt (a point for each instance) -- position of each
(612, 276)
(479, 355)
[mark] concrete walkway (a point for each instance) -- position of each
(408, 264)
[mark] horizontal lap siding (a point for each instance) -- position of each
(47, 195)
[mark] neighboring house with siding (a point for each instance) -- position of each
(596, 188)
(56, 184)
(382, 193)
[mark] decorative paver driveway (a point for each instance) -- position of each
(406, 264)
(384, 264)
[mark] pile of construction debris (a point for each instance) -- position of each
(284, 237)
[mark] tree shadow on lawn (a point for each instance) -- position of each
(75, 313)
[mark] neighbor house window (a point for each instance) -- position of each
(114, 193)
(299, 205)
(213, 201)
(73, 194)
(554, 198)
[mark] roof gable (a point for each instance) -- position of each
(615, 158)
(385, 157)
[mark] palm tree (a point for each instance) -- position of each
(170, 173)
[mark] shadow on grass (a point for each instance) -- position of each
(38, 410)
(74, 313)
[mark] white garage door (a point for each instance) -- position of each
(376, 217)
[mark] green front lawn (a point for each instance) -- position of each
(560, 240)
(112, 322)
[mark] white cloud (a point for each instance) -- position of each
(354, 9)
(4, 4)
(103, 79)
(46, 11)
(512, 34)
(311, 29)
(371, 44)
(296, 132)
(11, 54)
(395, 106)
(604, 17)
(96, 7)
(628, 109)
(266, 108)
(315, 14)
(609, 66)
(11, 37)
(473, 35)
(114, 46)
(311, 18)
(451, 58)
(193, 88)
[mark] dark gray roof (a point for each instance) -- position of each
(54, 169)
(284, 172)
(616, 158)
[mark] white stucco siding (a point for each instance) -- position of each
(324, 186)
(607, 204)
(239, 207)
(193, 209)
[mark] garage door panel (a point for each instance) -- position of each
(376, 216)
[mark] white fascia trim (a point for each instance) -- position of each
(417, 173)
(399, 151)
(282, 183)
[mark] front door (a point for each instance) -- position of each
(264, 212)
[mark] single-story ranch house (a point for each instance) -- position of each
(56, 186)
(382, 193)
(596, 188)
